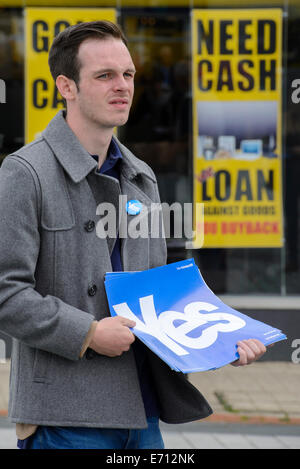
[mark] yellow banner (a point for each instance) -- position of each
(237, 116)
(42, 101)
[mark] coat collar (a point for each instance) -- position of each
(76, 161)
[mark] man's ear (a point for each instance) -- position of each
(66, 87)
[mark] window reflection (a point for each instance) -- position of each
(11, 71)
(160, 132)
(159, 124)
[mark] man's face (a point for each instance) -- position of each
(106, 82)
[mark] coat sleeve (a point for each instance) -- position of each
(46, 323)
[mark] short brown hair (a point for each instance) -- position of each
(63, 55)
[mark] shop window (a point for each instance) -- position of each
(159, 126)
(160, 132)
(12, 74)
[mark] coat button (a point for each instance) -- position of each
(92, 290)
(89, 354)
(89, 226)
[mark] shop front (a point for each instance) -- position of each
(216, 114)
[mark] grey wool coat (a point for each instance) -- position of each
(52, 267)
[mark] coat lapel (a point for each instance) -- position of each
(78, 164)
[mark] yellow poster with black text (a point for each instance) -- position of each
(42, 100)
(237, 126)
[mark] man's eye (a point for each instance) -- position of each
(103, 76)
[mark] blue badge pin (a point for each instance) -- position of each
(133, 207)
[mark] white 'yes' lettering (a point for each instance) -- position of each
(163, 329)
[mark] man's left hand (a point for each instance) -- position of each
(249, 351)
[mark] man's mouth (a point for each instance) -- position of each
(119, 102)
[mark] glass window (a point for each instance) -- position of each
(160, 131)
(12, 72)
(159, 127)
(292, 153)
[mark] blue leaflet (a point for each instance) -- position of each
(180, 319)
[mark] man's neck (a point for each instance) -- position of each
(95, 141)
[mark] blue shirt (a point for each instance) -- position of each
(111, 167)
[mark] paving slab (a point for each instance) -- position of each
(262, 392)
(291, 442)
(202, 440)
(204, 435)
(267, 389)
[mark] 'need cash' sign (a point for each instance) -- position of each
(237, 115)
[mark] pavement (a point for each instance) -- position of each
(255, 407)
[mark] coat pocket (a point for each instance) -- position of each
(42, 367)
(57, 210)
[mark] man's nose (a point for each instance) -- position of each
(120, 83)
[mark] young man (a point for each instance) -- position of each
(78, 377)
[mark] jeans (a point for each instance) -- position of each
(47, 437)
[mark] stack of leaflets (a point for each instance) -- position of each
(180, 319)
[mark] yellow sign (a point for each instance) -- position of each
(42, 100)
(237, 115)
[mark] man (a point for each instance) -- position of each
(78, 377)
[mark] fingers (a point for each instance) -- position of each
(113, 336)
(125, 321)
(258, 347)
(249, 351)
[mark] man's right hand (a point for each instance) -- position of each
(112, 336)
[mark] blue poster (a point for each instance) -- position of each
(180, 319)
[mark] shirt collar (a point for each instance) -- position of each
(113, 156)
